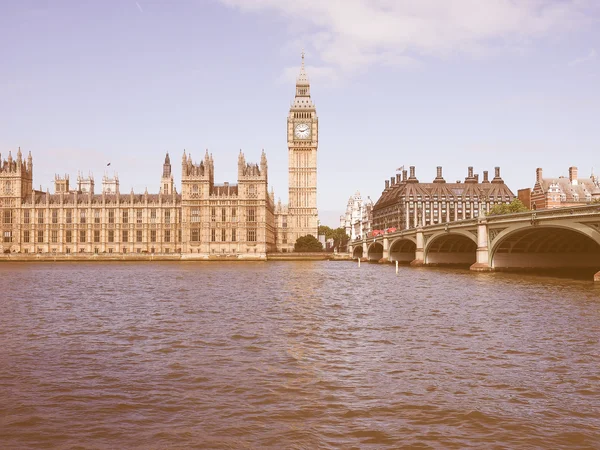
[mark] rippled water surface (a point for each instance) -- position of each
(306, 355)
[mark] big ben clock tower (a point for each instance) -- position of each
(302, 137)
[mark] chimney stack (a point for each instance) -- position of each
(392, 181)
(476, 178)
(573, 175)
(412, 177)
(387, 184)
(398, 179)
(497, 178)
(470, 178)
(404, 175)
(439, 178)
(538, 175)
(485, 177)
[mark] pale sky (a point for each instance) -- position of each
(459, 83)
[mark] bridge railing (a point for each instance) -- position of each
(552, 212)
(533, 214)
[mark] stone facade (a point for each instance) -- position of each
(205, 220)
(226, 219)
(358, 217)
(79, 221)
(299, 217)
(562, 191)
(407, 203)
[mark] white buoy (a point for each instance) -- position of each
(396, 267)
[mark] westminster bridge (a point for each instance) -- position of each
(561, 238)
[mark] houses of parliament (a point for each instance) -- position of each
(203, 220)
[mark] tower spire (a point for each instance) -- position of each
(302, 79)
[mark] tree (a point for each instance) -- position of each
(324, 230)
(339, 236)
(308, 243)
(516, 206)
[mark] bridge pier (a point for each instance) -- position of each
(482, 262)
(554, 239)
(386, 251)
(419, 253)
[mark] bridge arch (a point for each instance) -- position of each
(551, 246)
(375, 251)
(357, 252)
(454, 248)
(403, 250)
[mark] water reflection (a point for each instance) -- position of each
(295, 355)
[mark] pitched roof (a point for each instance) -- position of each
(584, 187)
(400, 191)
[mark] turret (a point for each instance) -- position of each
(166, 182)
(15, 179)
(61, 184)
(263, 164)
(241, 164)
(184, 164)
(196, 179)
(85, 185)
(167, 166)
(19, 160)
(110, 186)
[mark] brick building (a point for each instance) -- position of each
(406, 203)
(563, 191)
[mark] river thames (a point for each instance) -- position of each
(295, 355)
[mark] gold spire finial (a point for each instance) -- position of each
(302, 59)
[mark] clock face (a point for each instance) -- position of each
(302, 131)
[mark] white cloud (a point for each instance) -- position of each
(589, 57)
(351, 34)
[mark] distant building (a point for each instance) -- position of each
(207, 219)
(562, 191)
(299, 217)
(406, 203)
(525, 196)
(358, 217)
